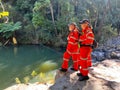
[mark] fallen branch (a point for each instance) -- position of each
(6, 42)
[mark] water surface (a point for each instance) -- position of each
(19, 61)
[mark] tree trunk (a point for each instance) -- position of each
(106, 8)
(118, 31)
(52, 15)
(58, 11)
(96, 21)
(76, 7)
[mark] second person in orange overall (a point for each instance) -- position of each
(72, 49)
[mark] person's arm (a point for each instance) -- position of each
(74, 37)
(87, 38)
(73, 40)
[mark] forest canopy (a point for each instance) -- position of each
(45, 21)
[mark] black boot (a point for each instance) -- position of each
(79, 74)
(82, 78)
(73, 69)
(63, 70)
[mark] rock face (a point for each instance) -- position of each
(109, 50)
(113, 42)
(35, 86)
(104, 76)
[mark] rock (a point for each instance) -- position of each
(118, 48)
(98, 55)
(104, 76)
(109, 50)
(29, 87)
(0, 44)
(115, 55)
(108, 54)
(108, 70)
(113, 42)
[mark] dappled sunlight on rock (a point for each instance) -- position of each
(108, 70)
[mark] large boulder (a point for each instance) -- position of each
(98, 55)
(115, 55)
(103, 76)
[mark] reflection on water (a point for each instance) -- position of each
(2, 66)
(15, 50)
(47, 66)
(22, 60)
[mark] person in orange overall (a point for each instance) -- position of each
(72, 49)
(86, 42)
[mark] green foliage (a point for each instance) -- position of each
(46, 77)
(33, 73)
(17, 80)
(51, 17)
(8, 29)
(43, 77)
(38, 20)
(41, 4)
(107, 32)
(26, 79)
(41, 19)
(39, 13)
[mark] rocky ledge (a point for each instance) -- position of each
(104, 75)
(35, 86)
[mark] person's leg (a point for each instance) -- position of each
(89, 60)
(66, 57)
(83, 57)
(84, 67)
(75, 61)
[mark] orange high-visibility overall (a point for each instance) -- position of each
(89, 62)
(84, 57)
(71, 50)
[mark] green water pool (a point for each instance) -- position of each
(20, 61)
